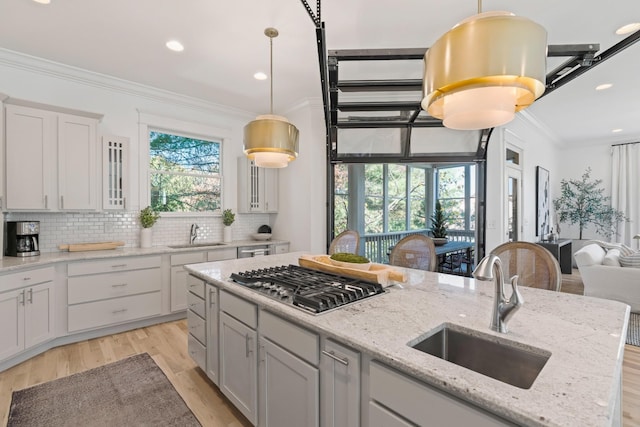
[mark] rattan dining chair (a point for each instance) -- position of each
(415, 251)
(348, 242)
(535, 266)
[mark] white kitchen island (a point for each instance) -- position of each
(579, 385)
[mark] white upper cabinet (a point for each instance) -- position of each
(257, 188)
(115, 172)
(51, 158)
(77, 173)
(30, 152)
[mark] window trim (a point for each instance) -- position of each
(151, 122)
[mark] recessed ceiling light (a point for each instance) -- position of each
(175, 46)
(604, 86)
(616, 130)
(628, 29)
(260, 76)
(42, 1)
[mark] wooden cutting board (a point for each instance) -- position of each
(97, 246)
(378, 273)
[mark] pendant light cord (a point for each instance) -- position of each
(479, 7)
(271, 74)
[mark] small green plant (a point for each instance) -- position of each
(347, 257)
(439, 222)
(583, 202)
(148, 217)
(228, 217)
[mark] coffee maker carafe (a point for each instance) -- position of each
(22, 238)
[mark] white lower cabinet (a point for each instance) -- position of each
(179, 278)
(288, 388)
(339, 386)
(108, 292)
(197, 321)
(238, 363)
(382, 417)
(414, 403)
(26, 313)
(213, 343)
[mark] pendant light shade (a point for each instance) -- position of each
(270, 140)
(484, 70)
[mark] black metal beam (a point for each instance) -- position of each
(380, 106)
(380, 85)
(378, 54)
(565, 50)
(362, 124)
(431, 158)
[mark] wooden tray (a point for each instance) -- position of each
(97, 246)
(378, 273)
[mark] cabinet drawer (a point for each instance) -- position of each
(26, 278)
(222, 254)
(196, 304)
(110, 285)
(197, 351)
(196, 326)
(382, 417)
(242, 310)
(113, 311)
(113, 264)
(195, 285)
(417, 401)
(188, 258)
(281, 249)
(297, 340)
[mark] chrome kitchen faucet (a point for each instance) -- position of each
(194, 233)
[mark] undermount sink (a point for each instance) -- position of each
(500, 360)
(196, 245)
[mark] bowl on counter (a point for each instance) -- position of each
(261, 236)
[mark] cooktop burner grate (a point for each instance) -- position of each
(307, 289)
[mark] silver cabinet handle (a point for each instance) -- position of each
(26, 278)
(124, 203)
(21, 297)
(119, 311)
(118, 265)
(119, 285)
(332, 355)
(30, 293)
(61, 202)
(212, 297)
(0, 203)
(46, 202)
(247, 349)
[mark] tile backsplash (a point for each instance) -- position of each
(59, 228)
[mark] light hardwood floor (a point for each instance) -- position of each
(167, 344)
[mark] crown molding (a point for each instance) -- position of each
(531, 120)
(45, 67)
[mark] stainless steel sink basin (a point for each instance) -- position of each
(196, 245)
(490, 356)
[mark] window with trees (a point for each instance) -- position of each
(456, 189)
(185, 173)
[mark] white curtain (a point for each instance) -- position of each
(625, 189)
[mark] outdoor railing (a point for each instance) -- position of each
(378, 246)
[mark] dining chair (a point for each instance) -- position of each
(535, 266)
(348, 242)
(415, 251)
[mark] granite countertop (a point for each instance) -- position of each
(8, 263)
(585, 336)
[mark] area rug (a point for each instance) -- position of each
(130, 392)
(633, 331)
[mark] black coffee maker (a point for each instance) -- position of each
(22, 238)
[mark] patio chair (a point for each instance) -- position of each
(535, 266)
(415, 251)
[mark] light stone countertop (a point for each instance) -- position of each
(577, 387)
(8, 263)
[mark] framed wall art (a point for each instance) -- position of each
(543, 220)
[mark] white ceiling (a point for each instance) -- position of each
(225, 46)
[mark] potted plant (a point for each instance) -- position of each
(583, 202)
(228, 217)
(439, 225)
(148, 217)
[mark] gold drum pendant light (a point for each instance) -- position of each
(270, 140)
(484, 70)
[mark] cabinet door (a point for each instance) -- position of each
(213, 347)
(238, 363)
(270, 189)
(38, 325)
(340, 386)
(178, 288)
(288, 388)
(115, 172)
(77, 163)
(12, 321)
(30, 148)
